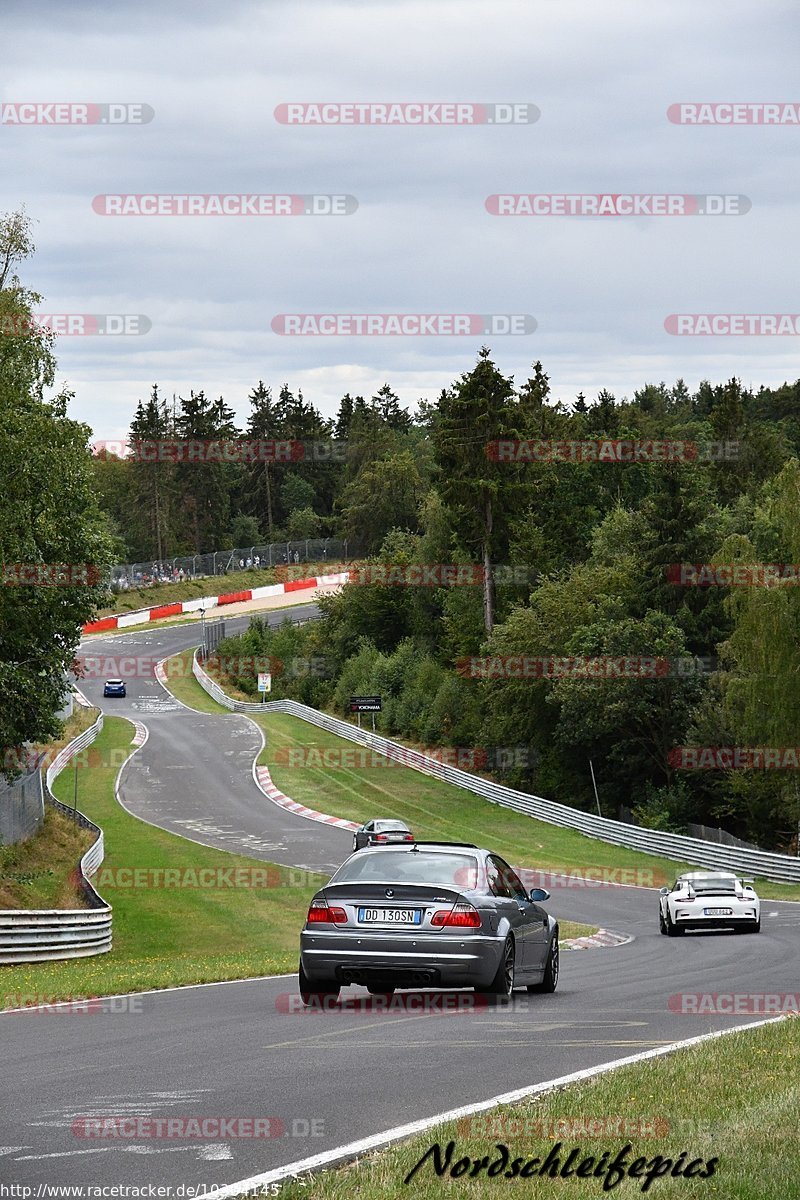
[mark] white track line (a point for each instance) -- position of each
(179, 987)
(378, 1141)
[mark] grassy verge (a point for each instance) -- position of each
(41, 872)
(332, 781)
(211, 585)
(572, 929)
(185, 687)
(169, 930)
(736, 1100)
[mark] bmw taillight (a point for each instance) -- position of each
(321, 913)
(409, 837)
(463, 916)
(381, 837)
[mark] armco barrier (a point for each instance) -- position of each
(40, 935)
(777, 867)
(212, 687)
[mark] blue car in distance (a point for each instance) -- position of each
(114, 687)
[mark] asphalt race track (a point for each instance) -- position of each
(240, 1050)
(194, 775)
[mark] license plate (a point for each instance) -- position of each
(718, 912)
(390, 916)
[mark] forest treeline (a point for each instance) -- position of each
(571, 559)
(565, 559)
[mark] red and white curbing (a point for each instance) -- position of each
(141, 734)
(603, 937)
(186, 606)
(264, 780)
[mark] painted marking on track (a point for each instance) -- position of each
(156, 1149)
(155, 704)
(404, 1044)
(216, 1153)
(61, 1154)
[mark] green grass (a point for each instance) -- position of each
(185, 687)
(434, 809)
(572, 929)
(41, 872)
(736, 1099)
(169, 935)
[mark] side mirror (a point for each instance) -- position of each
(539, 895)
(664, 891)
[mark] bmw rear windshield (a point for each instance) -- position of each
(410, 866)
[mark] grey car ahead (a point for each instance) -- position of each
(427, 915)
(383, 831)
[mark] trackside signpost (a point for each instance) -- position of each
(264, 684)
(370, 704)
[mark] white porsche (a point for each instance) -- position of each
(709, 900)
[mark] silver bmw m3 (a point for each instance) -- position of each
(432, 914)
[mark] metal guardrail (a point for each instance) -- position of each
(777, 867)
(215, 691)
(42, 935)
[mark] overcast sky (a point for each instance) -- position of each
(602, 74)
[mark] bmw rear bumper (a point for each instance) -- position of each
(362, 957)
